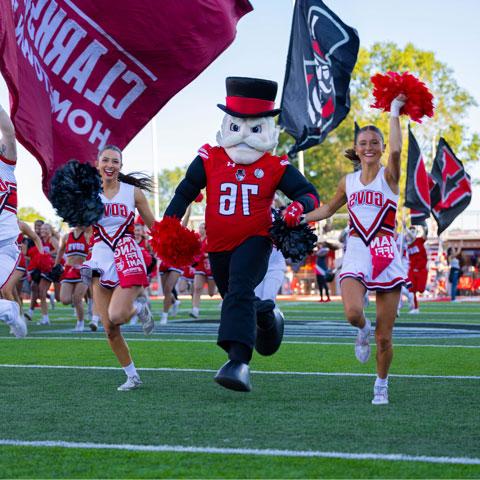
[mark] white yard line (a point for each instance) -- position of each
(259, 372)
(196, 340)
(394, 457)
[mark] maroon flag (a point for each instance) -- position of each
(417, 187)
(83, 74)
(452, 191)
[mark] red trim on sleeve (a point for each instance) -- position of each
(314, 198)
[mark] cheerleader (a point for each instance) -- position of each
(49, 247)
(9, 252)
(116, 266)
(74, 247)
(12, 289)
(372, 260)
(203, 273)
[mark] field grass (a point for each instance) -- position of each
(309, 414)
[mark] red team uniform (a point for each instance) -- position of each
(239, 197)
(22, 262)
(418, 272)
(202, 266)
(74, 247)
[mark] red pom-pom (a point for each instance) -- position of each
(41, 261)
(387, 87)
(173, 243)
(199, 198)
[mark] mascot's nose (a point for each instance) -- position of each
(244, 130)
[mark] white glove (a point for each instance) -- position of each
(396, 105)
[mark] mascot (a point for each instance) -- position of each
(241, 176)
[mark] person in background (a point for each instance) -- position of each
(74, 246)
(203, 273)
(12, 289)
(418, 259)
(455, 261)
(321, 269)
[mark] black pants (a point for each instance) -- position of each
(322, 285)
(237, 273)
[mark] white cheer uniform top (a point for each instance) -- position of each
(118, 216)
(8, 202)
(371, 207)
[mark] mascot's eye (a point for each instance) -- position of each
(234, 127)
(257, 129)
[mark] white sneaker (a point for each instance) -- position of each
(93, 326)
(130, 384)
(17, 324)
(145, 316)
(79, 327)
(195, 313)
(380, 396)
(414, 311)
(362, 343)
(174, 309)
(164, 319)
(43, 322)
(51, 297)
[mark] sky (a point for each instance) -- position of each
(192, 119)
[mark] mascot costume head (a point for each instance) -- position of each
(248, 129)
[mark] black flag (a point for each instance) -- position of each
(322, 54)
(452, 191)
(417, 187)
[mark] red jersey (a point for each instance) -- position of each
(417, 255)
(76, 246)
(239, 197)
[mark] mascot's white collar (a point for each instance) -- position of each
(247, 139)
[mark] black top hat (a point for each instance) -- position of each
(250, 97)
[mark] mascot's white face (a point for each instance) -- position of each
(247, 139)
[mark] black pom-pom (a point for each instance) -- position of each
(294, 243)
(56, 273)
(75, 194)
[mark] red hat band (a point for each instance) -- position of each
(245, 105)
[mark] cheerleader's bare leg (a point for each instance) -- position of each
(387, 303)
(102, 298)
(353, 293)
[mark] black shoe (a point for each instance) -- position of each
(269, 340)
(234, 376)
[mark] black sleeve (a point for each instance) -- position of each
(296, 187)
(188, 189)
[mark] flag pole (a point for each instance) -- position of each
(155, 160)
(301, 159)
(301, 163)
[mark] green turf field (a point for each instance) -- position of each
(309, 414)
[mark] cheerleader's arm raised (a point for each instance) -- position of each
(392, 173)
(329, 208)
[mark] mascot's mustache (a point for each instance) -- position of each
(252, 141)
